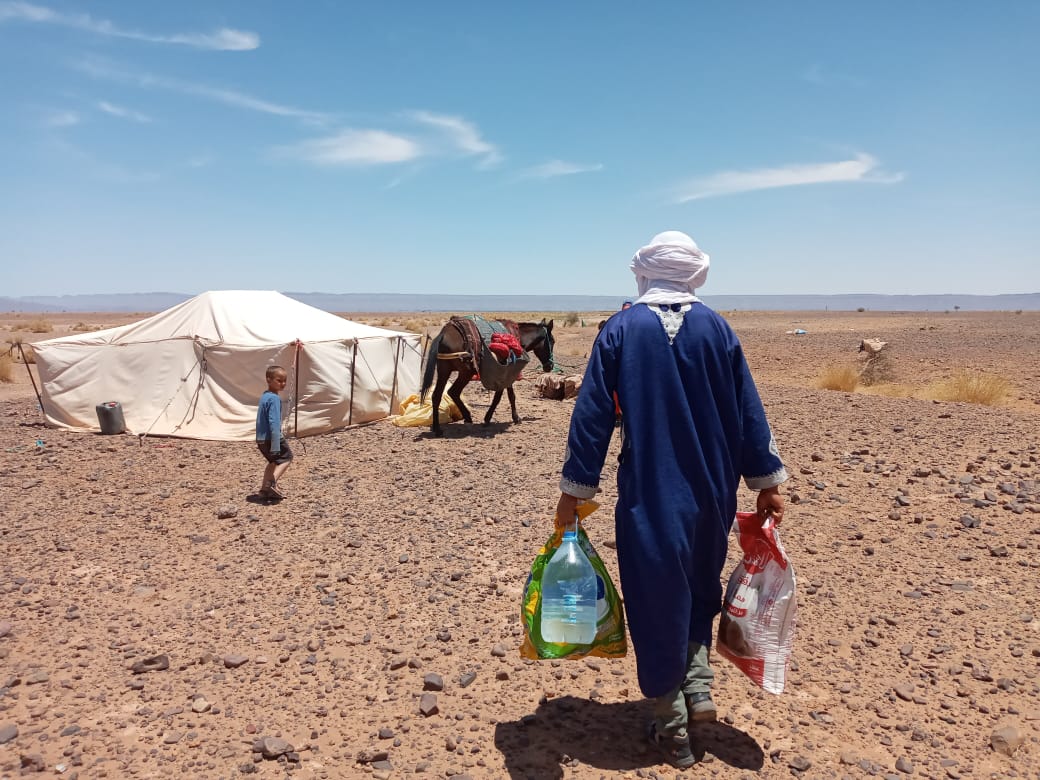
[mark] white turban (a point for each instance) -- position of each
(669, 269)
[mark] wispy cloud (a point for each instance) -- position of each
(354, 148)
(862, 168)
(224, 39)
(460, 135)
(228, 97)
(553, 168)
(123, 113)
(61, 119)
(430, 136)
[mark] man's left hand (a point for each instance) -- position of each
(566, 508)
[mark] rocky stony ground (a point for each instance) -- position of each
(158, 620)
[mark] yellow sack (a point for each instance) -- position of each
(416, 415)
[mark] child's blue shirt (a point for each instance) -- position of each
(269, 419)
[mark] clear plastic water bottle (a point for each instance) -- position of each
(569, 588)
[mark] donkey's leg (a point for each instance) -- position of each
(494, 405)
(438, 393)
(455, 394)
(512, 404)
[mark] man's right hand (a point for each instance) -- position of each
(770, 502)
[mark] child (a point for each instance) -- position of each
(269, 433)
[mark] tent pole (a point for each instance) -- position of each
(296, 392)
(353, 364)
(397, 357)
(31, 377)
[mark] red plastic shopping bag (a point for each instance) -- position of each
(756, 630)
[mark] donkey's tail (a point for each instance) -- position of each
(431, 367)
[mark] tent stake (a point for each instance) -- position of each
(31, 378)
(353, 364)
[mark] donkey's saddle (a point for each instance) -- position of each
(478, 333)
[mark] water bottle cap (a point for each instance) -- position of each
(569, 534)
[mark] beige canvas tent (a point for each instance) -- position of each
(197, 370)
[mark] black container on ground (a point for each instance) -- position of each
(110, 417)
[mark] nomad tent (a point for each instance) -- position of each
(197, 370)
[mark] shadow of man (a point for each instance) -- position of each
(569, 731)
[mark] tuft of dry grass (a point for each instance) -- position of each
(839, 377)
(6, 369)
(83, 327)
(972, 387)
(39, 326)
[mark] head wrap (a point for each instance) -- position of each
(669, 269)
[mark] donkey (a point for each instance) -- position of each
(449, 352)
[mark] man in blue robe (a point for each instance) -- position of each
(693, 425)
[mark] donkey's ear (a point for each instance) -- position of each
(548, 325)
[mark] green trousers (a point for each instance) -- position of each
(670, 709)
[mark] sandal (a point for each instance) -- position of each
(675, 748)
(700, 708)
(272, 492)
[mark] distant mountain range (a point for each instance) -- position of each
(406, 302)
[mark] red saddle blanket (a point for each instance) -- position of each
(505, 346)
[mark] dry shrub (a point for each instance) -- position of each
(6, 369)
(878, 368)
(39, 326)
(843, 377)
(571, 318)
(417, 325)
(972, 387)
(83, 327)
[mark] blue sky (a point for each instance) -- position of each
(518, 148)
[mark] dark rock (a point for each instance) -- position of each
(905, 691)
(799, 763)
(156, 663)
(1006, 740)
(272, 747)
(433, 682)
(33, 763)
(428, 705)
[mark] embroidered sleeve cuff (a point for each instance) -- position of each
(577, 489)
(767, 480)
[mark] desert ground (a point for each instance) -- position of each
(368, 626)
